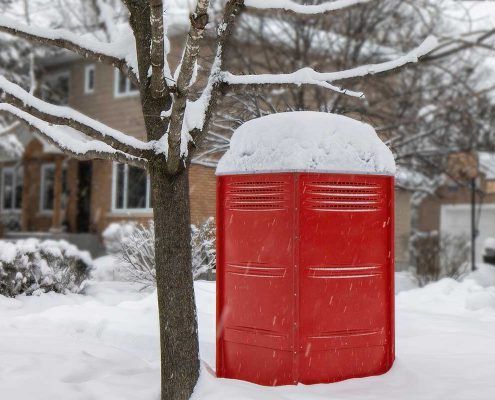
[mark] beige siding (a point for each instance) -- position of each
(124, 114)
(402, 228)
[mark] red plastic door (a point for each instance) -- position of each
(255, 279)
(346, 276)
(304, 277)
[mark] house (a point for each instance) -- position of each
(450, 211)
(47, 191)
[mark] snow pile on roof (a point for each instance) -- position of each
(306, 141)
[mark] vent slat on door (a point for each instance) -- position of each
(343, 196)
(345, 272)
(257, 196)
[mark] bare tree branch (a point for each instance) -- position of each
(198, 19)
(62, 115)
(108, 53)
(310, 9)
(308, 76)
(209, 98)
(103, 10)
(449, 47)
(71, 141)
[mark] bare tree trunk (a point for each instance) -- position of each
(177, 309)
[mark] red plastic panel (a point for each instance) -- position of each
(255, 311)
(304, 277)
(346, 276)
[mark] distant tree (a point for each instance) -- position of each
(425, 112)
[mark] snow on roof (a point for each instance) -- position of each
(487, 164)
(407, 177)
(306, 141)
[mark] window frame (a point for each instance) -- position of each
(128, 92)
(12, 170)
(87, 70)
(125, 209)
(42, 208)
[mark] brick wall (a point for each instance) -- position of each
(123, 113)
(202, 194)
(33, 219)
(202, 189)
(431, 207)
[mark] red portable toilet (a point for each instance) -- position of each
(305, 243)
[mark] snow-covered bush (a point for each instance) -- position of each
(440, 257)
(204, 253)
(11, 222)
(427, 248)
(454, 255)
(134, 246)
(33, 266)
(115, 233)
(137, 254)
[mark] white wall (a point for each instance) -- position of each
(456, 220)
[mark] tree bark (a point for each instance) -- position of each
(177, 309)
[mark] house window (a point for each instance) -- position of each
(123, 85)
(47, 193)
(11, 189)
(89, 79)
(131, 188)
(55, 88)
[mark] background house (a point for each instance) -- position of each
(45, 192)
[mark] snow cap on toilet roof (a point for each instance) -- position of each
(306, 141)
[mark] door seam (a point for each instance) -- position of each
(296, 280)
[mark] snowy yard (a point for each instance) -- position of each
(104, 345)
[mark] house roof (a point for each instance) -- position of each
(20, 137)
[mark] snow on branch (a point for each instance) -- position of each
(121, 54)
(198, 19)
(71, 141)
(308, 9)
(311, 77)
(62, 115)
(178, 137)
(157, 56)
(198, 113)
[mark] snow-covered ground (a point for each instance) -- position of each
(104, 345)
